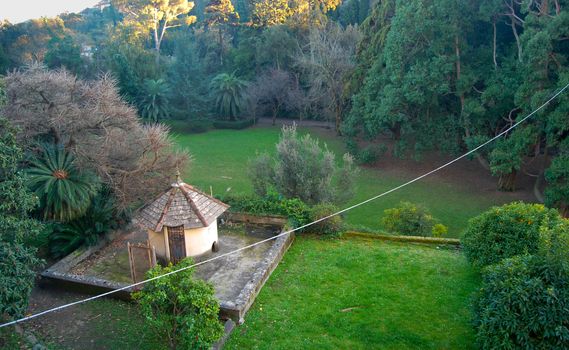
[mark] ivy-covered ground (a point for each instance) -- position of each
(220, 159)
(362, 294)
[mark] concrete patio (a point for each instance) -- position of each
(237, 278)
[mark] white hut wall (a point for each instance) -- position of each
(159, 241)
(200, 240)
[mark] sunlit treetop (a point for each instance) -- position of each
(221, 12)
(156, 15)
(296, 12)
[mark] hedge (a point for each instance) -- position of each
(236, 125)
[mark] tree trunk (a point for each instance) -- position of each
(396, 131)
(466, 122)
(541, 176)
(494, 44)
(507, 182)
(536, 188)
(275, 109)
(220, 46)
(564, 210)
(157, 45)
(518, 43)
(338, 119)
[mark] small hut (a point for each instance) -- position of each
(182, 222)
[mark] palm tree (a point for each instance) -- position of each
(229, 94)
(155, 99)
(64, 191)
(86, 230)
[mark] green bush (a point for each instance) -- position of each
(506, 231)
(297, 212)
(523, 305)
(17, 264)
(236, 125)
(180, 308)
(302, 168)
(439, 230)
(408, 219)
(367, 154)
(190, 126)
(331, 226)
(371, 153)
(87, 230)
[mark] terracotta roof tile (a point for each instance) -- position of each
(183, 205)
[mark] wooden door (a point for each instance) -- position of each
(177, 243)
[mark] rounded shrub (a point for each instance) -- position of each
(505, 231)
(180, 308)
(331, 226)
(439, 230)
(408, 219)
(523, 304)
(297, 212)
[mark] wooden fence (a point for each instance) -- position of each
(141, 257)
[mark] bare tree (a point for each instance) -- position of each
(272, 90)
(327, 60)
(91, 120)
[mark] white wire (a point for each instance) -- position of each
(23, 319)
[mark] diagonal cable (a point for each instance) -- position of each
(23, 319)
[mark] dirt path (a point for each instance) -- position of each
(279, 122)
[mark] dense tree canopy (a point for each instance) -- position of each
(157, 16)
(448, 75)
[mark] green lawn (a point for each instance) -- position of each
(221, 156)
(362, 294)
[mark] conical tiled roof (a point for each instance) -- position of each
(181, 205)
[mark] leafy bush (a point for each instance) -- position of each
(557, 176)
(180, 308)
(16, 278)
(17, 261)
(366, 155)
(523, 304)
(371, 153)
(439, 230)
(297, 212)
(235, 125)
(302, 169)
(190, 126)
(506, 231)
(408, 219)
(87, 230)
(330, 226)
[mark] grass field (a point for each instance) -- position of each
(221, 157)
(358, 294)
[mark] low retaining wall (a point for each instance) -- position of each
(269, 220)
(237, 310)
(58, 275)
(411, 239)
